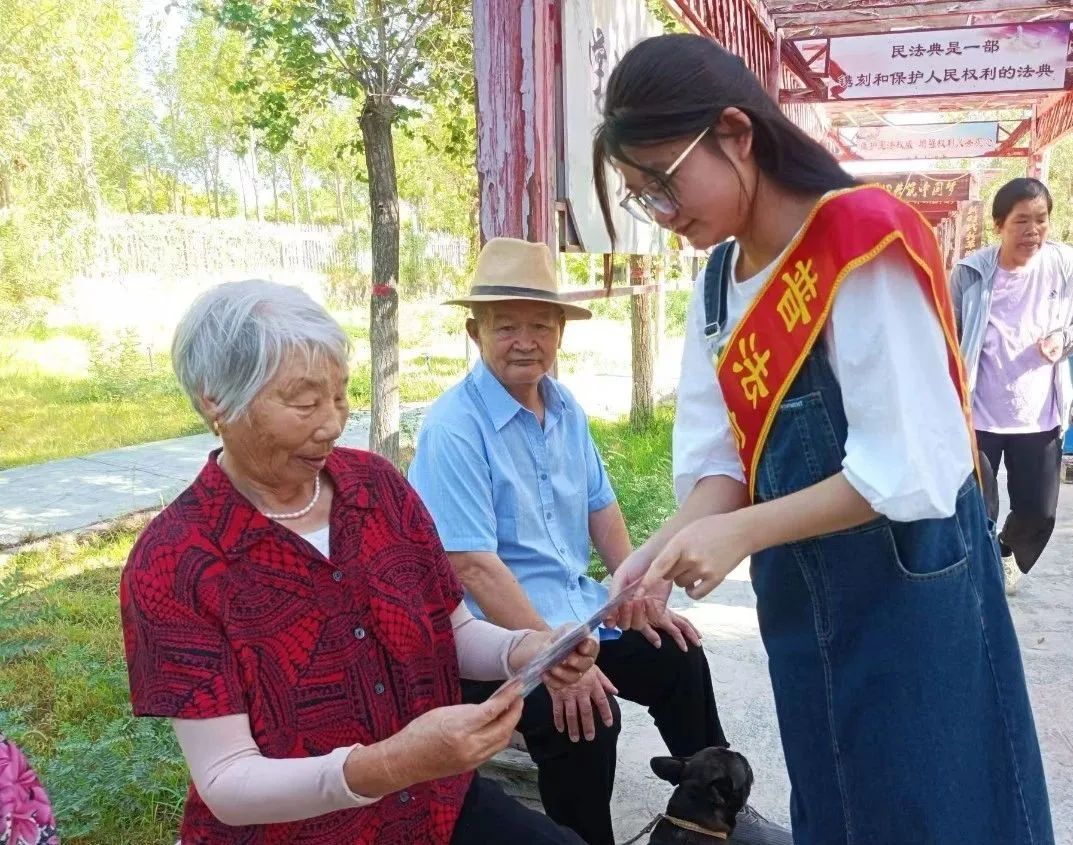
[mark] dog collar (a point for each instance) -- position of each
(695, 828)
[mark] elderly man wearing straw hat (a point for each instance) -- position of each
(508, 469)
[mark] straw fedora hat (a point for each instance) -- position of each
(510, 269)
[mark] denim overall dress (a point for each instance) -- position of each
(897, 676)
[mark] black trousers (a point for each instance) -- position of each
(489, 816)
(576, 779)
(1033, 470)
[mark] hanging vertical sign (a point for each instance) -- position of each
(972, 221)
(595, 36)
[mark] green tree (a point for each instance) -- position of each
(69, 98)
(378, 54)
(208, 117)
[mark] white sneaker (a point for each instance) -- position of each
(1011, 575)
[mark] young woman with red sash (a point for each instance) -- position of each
(822, 430)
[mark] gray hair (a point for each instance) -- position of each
(232, 340)
(479, 310)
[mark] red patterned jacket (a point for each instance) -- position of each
(225, 611)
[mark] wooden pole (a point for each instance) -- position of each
(515, 43)
(660, 262)
(643, 357)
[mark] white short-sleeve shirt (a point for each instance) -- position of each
(908, 448)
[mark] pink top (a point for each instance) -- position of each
(25, 814)
(1015, 384)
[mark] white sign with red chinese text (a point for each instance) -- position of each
(938, 140)
(974, 60)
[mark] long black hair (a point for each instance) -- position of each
(673, 86)
(1015, 191)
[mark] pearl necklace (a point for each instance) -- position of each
(303, 511)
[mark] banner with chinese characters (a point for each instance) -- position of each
(973, 60)
(925, 187)
(936, 140)
(972, 227)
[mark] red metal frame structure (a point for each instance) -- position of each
(774, 23)
(516, 43)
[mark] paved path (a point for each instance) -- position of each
(65, 495)
(1042, 612)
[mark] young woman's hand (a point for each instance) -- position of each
(700, 556)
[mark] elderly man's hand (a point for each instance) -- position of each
(648, 613)
(678, 628)
(573, 706)
(451, 740)
(645, 612)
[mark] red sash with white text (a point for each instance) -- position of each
(768, 348)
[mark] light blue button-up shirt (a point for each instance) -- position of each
(495, 481)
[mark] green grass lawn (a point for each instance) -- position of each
(63, 685)
(639, 464)
(60, 402)
(66, 394)
(63, 696)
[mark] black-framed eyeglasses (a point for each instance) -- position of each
(653, 199)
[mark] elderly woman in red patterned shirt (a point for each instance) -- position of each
(294, 614)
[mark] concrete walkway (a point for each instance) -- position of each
(66, 495)
(1042, 612)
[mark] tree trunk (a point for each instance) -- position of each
(216, 180)
(87, 164)
(643, 358)
(149, 188)
(208, 181)
(5, 191)
(338, 195)
(376, 121)
(308, 195)
(241, 186)
(275, 191)
(255, 170)
(294, 189)
(659, 263)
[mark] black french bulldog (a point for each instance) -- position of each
(712, 787)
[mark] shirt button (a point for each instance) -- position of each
(359, 633)
(379, 688)
(337, 575)
(547, 515)
(543, 476)
(404, 796)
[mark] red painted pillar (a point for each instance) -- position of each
(515, 46)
